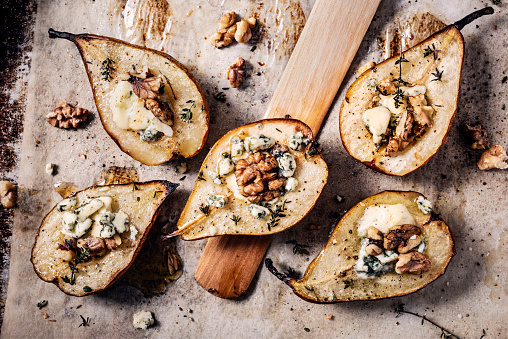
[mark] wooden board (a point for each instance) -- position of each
(310, 81)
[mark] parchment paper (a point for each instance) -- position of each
(469, 298)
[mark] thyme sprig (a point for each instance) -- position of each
(399, 309)
(84, 322)
(438, 75)
(82, 255)
(236, 219)
(291, 273)
(298, 248)
(430, 51)
(276, 214)
(399, 93)
(107, 68)
(186, 115)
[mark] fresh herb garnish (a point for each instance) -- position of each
(399, 93)
(253, 48)
(236, 219)
(71, 280)
(306, 329)
(42, 303)
(438, 75)
(309, 288)
(496, 2)
(187, 112)
(399, 309)
(107, 68)
(205, 209)
(84, 322)
(87, 289)
(134, 187)
(201, 177)
(430, 51)
(483, 333)
(277, 214)
(221, 96)
(156, 193)
(291, 272)
(298, 248)
(82, 255)
(138, 198)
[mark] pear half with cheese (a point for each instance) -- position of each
(148, 102)
(258, 179)
(420, 243)
(396, 115)
(88, 240)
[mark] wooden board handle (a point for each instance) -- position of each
(317, 66)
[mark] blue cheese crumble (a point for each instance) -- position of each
(424, 205)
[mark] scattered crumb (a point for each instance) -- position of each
(330, 317)
(50, 168)
(313, 227)
(44, 315)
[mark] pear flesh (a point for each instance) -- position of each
(108, 63)
(433, 65)
(138, 203)
(216, 205)
(332, 276)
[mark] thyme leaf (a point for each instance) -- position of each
(430, 51)
(107, 68)
(221, 96)
(298, 248)
(205, 209)
(276, 214)
(201, 177)
(291, 273)
(84, 322)
(42, 303)
(156, 193)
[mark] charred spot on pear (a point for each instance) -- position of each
(334, 275)
(397, 115)
(88, 261)
(148, 102)
(260, 178)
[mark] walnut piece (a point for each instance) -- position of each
(374, 234)
(477, 135)
(229, 31)
(95, 244)
(257, 177)
(113, 242)
(494, 157)
(386, 87)
(400, 236)
(173, 261)
(413, 262)
(161, 110)
(66, 116)
(235, 72)
(148, 88)
(226, 33)
(8, 194)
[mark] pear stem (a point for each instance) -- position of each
(273, 270)
(61, 35)
(473, 16)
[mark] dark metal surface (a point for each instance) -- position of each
(17, 20)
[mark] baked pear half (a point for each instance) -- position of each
(88, 240)
(396, 115)
(258, 179)
(148, 102)
(388, 245)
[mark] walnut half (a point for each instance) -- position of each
(236, 72)
(494, 157)
(66, 116)
(477, 135)
(413, 263)
(257, 177)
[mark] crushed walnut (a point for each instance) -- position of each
(476, 135)
(8, 194)
(235, 72)
(173, 261)
(257, 177)
(66, 116)
(230, 31)
(494, 157)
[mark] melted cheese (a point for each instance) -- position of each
(377, 120)
(384, 217)
(388, 101)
